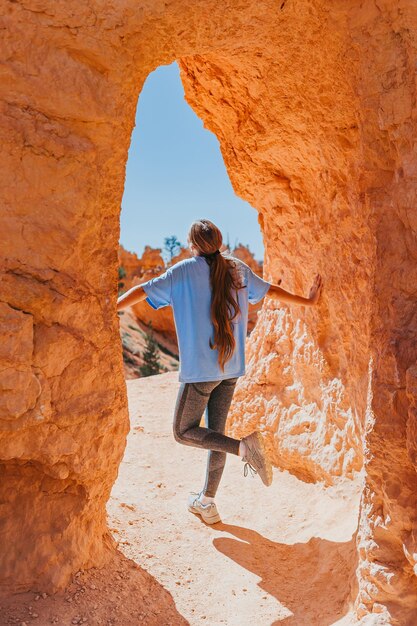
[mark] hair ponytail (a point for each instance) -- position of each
(207, 238)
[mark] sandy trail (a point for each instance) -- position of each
(281, 555)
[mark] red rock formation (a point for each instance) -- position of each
(244, 254)
(129, 263)
(151, 261)
(314, 107)
(133, 335)
(138, 270)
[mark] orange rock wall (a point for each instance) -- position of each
(314, 104)
(293, 150)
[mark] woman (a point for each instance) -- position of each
(209, 294)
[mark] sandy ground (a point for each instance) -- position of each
(281, 555)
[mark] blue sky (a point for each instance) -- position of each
(175, 174)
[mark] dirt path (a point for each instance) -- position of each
(281, 555)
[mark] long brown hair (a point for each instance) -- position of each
(207, 240)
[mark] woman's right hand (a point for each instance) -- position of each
(315, 290)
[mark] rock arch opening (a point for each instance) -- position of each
(315, 117)
(174, 174)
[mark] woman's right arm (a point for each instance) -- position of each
(134, 295)
(286, 296)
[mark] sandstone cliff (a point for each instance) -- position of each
(314, 105)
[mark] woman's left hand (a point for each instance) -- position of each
(315, 290)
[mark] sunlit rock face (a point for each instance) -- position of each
(137, 271)
(314, 106)
(307, 367)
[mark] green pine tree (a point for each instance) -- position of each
(171, 247)
(151, 363)
(121, 284)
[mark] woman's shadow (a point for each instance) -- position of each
(313, 580)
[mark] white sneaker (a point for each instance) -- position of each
(208, 512)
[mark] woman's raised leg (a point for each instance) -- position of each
(192, 401)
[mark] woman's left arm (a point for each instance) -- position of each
(134, 295)
(292, 298)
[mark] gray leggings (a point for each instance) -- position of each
(213, 397)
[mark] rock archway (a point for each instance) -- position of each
(314, 106)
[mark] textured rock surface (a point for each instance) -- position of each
(314, 104)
